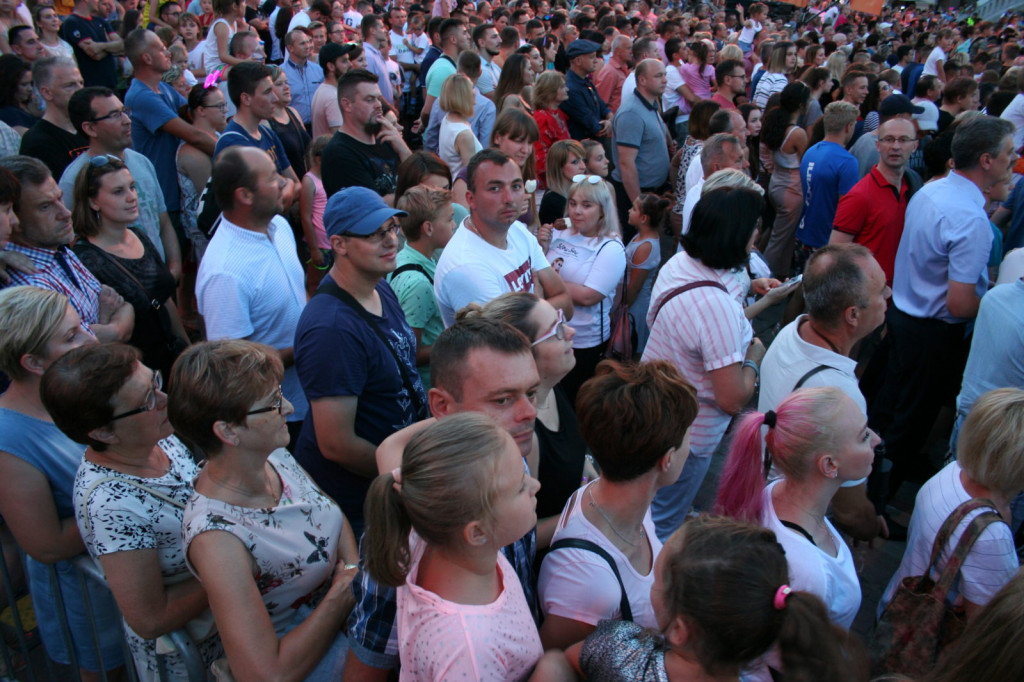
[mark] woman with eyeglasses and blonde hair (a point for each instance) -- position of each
(588, 254)
(37, 473)
(275, 554)
(120, 255)
(205, 110)
(130, 493)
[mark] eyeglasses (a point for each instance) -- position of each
(592, 179)
(103, 159)
(278, 405)
(118, 113)
(889, 140)
(222, 106)
(380, 235)
(558, 331)
(158, 383)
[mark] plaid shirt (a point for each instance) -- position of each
(372, 631)
(84, 294)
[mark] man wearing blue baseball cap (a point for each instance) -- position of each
(589, 115)
(355, 354)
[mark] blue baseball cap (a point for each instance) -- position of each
(357, 211)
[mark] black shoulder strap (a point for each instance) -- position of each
(811, 373)
(329, 288)
(588, 546)
(798, 529)
(408, 267)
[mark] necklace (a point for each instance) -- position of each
(824, 338)
(597, 507)
(248, 494)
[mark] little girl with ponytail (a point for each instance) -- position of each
(722, 598)
(464, 489)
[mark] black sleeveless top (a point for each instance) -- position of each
(561, 458)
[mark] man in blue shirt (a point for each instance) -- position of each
(303, 75)
(589, 116)
(157, 130)
(827, 172)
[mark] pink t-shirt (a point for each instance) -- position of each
(442, 640)
(698, 80)
(319, 204)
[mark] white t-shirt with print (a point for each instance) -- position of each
(594, 262)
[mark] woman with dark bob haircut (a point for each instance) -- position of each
(698, 324)
(635, 418)
(130, 492)
(253, 513)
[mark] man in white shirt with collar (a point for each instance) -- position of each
(250, 283)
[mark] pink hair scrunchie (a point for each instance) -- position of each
(780, 597)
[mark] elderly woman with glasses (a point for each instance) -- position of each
(105, 218)
(589, 255)
(276, 555)
(130, 494)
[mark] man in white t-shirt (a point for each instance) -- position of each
(846, 293)
(492, 253)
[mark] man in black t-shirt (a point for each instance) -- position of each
(367, 149)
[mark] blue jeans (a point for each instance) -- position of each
(673, 502)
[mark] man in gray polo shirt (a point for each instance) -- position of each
(641, 144)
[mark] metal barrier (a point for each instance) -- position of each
(29, 662)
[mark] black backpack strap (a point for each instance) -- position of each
(811, 373)
(329, 288)
(410, 267)
(588, 546)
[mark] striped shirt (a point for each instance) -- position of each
(83, 293)
(699, 331)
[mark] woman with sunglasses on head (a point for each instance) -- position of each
(205, 110)
(589, 255)
(106, 210)
(130, 494)
(276, 555)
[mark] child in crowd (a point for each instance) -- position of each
(722, 600)
(752, 26)
(427, 227)
(649, 216)
(312, 201)
(597, 161)
(463, 487)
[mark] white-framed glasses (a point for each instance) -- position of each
(557, 331)
(592, 179)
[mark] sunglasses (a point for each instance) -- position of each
(592, 179)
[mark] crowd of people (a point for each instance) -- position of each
(352, 338)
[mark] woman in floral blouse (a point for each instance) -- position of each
(275, 554)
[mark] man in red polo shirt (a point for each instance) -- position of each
(872, 212)
(732, 83)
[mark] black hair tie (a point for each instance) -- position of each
(769, 419)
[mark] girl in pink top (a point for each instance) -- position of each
(312, 202)
(464, 489)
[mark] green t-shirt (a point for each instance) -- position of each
(415, 292)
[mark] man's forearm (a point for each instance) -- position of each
(630, 180)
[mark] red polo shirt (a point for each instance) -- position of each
(873, 212)
(723, 101)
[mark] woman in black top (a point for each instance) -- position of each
(123, 258)
(288, 125)
(562, 450)
(16, 93)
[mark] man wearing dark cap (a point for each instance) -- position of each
(865, 149)
(355, 354)
(589, 116)
(326, 113)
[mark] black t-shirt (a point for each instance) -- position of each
(53, 145)
(348, 162)
(94, 72)
(562, 455)
(552, 207)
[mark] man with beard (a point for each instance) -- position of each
(250, 283)
(367, 149)
(487, 42)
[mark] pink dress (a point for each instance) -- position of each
(319, 204)
(442, 640)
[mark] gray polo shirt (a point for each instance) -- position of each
(638, 124)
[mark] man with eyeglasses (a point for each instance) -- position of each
(731, 77)
(355, 353)
(250, 283)
(873, 211)
(99, 116)
(53, 139)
